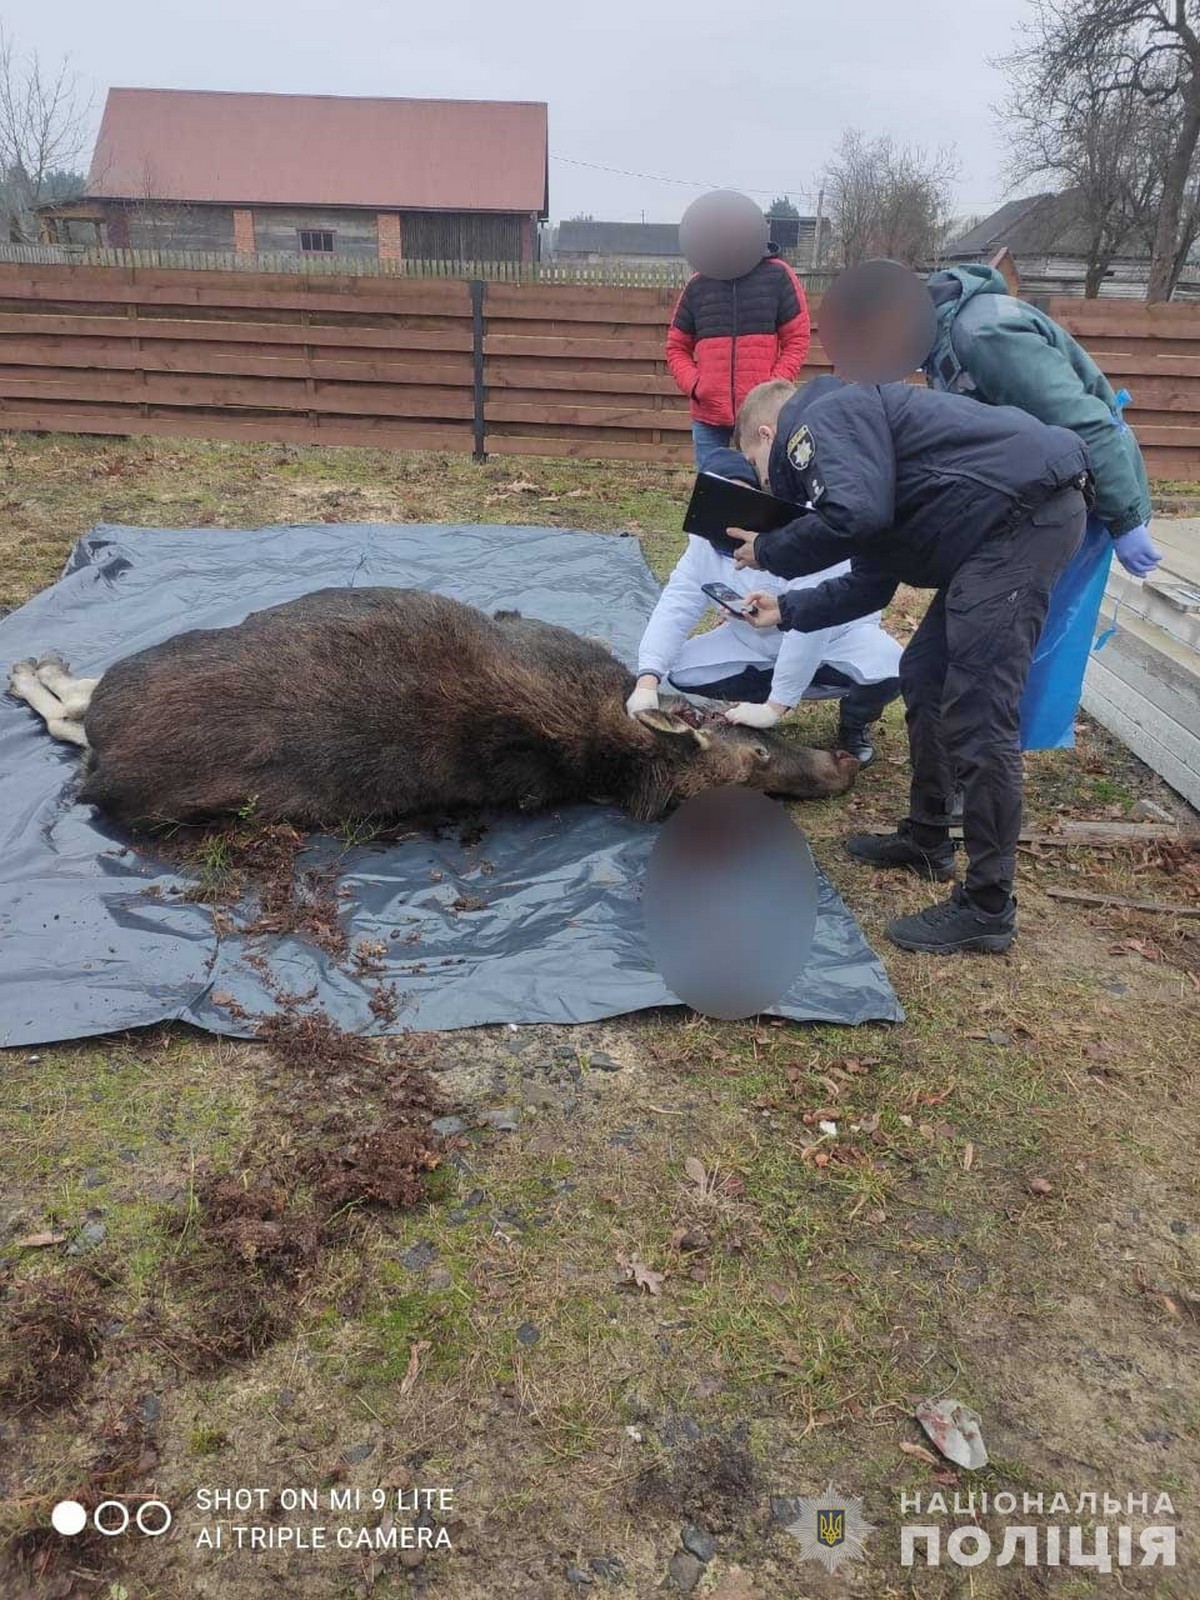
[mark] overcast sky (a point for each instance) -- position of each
(751, 96)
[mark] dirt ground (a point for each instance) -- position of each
(633, 1302)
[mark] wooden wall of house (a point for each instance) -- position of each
(277, 228)
(170, 227)
(465, 236)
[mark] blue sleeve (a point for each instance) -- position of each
(856, 594)
(799, 548)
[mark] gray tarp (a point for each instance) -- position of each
(89, 943)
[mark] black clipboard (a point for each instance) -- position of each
(718, 503)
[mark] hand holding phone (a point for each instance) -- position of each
(729, 599)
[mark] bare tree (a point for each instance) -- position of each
(888, 200)
(43, 125)
(1110, 61)
(1088, 135)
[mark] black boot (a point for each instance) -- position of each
(855, 739)
(956, 924)
(900, 849)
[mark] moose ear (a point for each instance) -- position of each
(673, 731)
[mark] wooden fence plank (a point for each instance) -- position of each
(451, 337)
(250, 361)
(1129, 318)
(246, 297)
(540, 409)
(515, 374)
(576, 349)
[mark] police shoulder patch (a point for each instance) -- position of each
(801, 449)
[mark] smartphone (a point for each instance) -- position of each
(728, 598)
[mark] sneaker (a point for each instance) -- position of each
(954, 925)
(856, 741)
(899, 850)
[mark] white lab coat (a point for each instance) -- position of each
(861, 649)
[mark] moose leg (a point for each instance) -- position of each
(75, 694)
(23, 684)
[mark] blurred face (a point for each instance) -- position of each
(723, 234)
(877, 322)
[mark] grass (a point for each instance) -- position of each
(810, 1286)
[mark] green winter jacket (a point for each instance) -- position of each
(1009, 353)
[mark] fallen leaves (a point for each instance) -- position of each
(968, 1156)
(918, 1452)
(417, 1351)
(639, 1276)
(708, 1186)
(39, 1241)
(1146, 948)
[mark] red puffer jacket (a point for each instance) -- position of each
(726, 336)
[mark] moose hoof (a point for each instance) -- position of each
(52, 662)
(21, 676)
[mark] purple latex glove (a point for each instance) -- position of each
(1136, 551)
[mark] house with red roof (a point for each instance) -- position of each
(384, 179)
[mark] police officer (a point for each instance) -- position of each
(983, 504)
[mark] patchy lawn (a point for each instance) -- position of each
(664, 1301)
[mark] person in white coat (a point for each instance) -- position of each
(765, 673)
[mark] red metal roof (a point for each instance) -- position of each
(321, 150)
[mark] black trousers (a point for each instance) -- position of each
(963, 675)
(860, 703)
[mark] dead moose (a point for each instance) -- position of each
(384, 703)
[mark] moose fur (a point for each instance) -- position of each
(383, 703)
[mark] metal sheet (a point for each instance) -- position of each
(93, 934)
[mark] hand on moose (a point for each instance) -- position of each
(763, 610)
(1136, 551)
(744, 557)
(644, 696)
(752, 716)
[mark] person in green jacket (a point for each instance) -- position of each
(1006, 352)
(970, 336)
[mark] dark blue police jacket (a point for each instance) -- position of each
(906, 483)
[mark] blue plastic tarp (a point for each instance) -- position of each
(94, 935)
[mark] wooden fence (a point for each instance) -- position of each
(441, 364)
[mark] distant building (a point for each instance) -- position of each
(455, 180)
(1047, 236)
(586, 241)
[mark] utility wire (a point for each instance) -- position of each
(688, 183)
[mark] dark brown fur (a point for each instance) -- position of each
(389, 702)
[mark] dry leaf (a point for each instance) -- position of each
(919, 1452)
(1040, 1186)
(639, 1275)
(695, 1171)
(415, 1353)
(968, 1157)
(37, 1241)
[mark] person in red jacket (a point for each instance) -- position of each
(732, 332)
